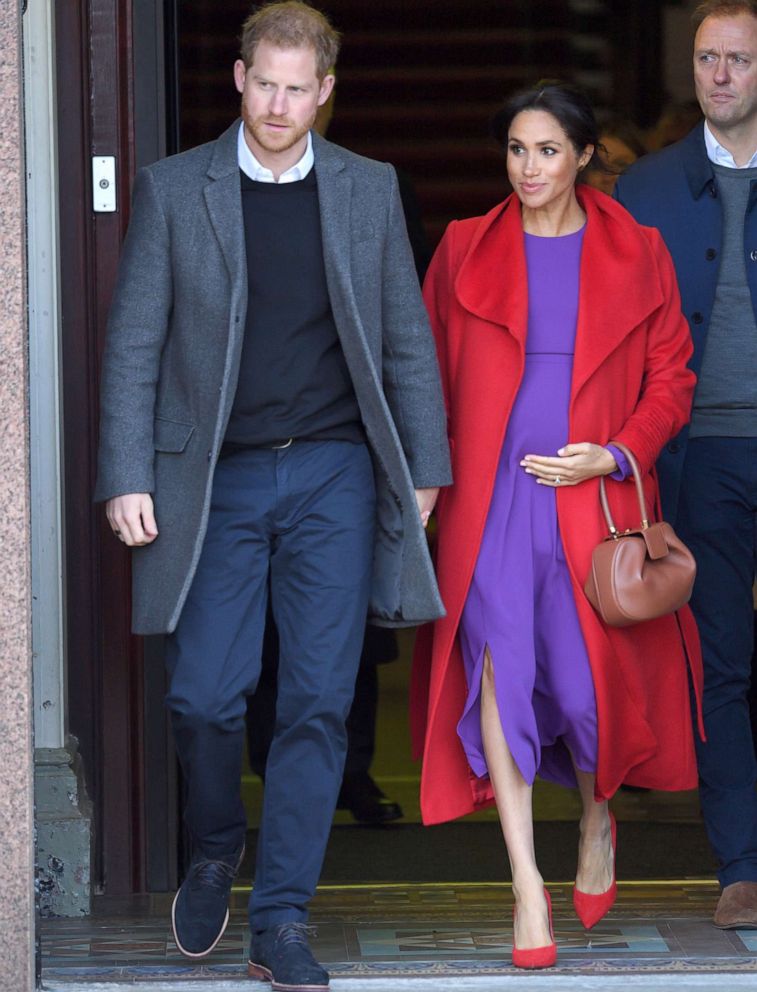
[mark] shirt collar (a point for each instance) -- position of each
(721, 156)
(259, 173)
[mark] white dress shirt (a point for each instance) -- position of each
(257, 172)
(721, 156)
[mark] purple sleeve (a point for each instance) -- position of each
(624, 469)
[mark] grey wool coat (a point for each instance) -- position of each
(172, 359)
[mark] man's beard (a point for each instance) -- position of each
(271, 142)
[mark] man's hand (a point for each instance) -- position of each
(132, 519)
(575, 464)
(426, 499)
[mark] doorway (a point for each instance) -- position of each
(145, 79)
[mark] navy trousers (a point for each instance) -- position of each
(306, 516)
(717, 518)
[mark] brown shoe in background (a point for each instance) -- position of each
(737, 907)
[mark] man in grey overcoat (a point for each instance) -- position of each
(271, 418)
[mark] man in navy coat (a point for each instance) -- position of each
(702, 194)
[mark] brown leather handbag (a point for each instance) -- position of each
(641, 573)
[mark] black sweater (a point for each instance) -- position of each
(293, 378)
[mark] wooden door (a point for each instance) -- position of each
(110, 102)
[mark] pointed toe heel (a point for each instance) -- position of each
(536, 957)
(589, 908)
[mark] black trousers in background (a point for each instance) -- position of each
(717, 518)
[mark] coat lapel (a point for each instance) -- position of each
(619, 287)
(491, 282)
(223, 199)
(335, 205)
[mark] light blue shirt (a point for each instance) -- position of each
(260, 174)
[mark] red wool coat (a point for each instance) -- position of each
(630, 383)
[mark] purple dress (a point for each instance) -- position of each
(520, 601)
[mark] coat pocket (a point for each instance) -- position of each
(171, 435)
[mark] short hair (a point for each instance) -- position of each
(566, 103)
(291, 24)
(723, 8)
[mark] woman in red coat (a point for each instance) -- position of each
(558, 327)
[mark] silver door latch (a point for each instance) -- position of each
(104, 184)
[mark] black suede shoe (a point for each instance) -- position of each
(367, 803)
(281, 955)
(200, 908)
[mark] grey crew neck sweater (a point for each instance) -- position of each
(725, 402)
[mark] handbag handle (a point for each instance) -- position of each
(631, 458)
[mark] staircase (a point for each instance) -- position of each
(417, 82)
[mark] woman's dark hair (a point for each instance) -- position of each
(566, 103)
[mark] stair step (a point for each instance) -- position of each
(401, 74)
(432, 191)
(463, 39)
(447, 159)
(432, 120)
(450, 14)
(447, 76)
(359, 46)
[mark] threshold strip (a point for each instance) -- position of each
(389, 886)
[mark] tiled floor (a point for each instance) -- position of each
(456, 937)
(421, 931)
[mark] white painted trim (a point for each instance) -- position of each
(45, 414)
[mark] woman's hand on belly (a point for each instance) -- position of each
(575, 463)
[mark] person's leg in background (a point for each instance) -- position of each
(717, 515)
(753, 689)
(359, 792)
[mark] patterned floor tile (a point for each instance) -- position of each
(406, 930)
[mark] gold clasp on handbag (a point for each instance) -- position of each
(616, 534)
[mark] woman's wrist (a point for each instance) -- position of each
(622, 469)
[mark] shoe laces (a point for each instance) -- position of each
(295, 933)
(216, 873)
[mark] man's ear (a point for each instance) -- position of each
(327, 85)
(240, 71)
